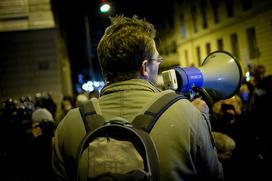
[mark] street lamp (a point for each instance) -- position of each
(104, 7)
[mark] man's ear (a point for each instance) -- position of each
(144, 68)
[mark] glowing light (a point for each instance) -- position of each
(87, 87)
(96, 84)
(104, 8)
(91, 86)
(247, 76)
(102, 83)
(90, 83)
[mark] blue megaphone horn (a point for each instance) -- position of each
(220, 75)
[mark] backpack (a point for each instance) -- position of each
(119, 150)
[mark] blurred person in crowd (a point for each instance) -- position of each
(81, 98)
(260, 120)
(225, 114)
(229, 126)
(255, 73)
(45, 100)
(228, 117)
(224, 144)
(67, 104)
(130, 62)
(244, 94)
(225, 147)
(259, 73)
(249, 90)
(38, 150)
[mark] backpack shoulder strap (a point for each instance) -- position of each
(148, 119)
(88, 112)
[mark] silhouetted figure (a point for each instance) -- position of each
(39, 148)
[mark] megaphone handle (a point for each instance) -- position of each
(203, 94)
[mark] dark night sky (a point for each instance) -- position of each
(74, 16)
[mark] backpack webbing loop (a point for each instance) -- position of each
(91, 119)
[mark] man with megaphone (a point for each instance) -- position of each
(182, 135)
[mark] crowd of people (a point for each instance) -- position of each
(244, 121)
(27, 127)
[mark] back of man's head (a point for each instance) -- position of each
(123, 47)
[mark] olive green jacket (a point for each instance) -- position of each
(182, 134)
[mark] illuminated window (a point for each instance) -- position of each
(220, 45)
(215, 6)
(183, 26)
(186, 57)
(203, 10)
(246, 4)
(229, 8)
(252, 43)
(43, 65)
(194, 18)
(208, 48)
(234, 45)
(198, 53)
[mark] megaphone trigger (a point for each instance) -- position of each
(204, 95)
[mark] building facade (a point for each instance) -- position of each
(32, 54)
(241, 27)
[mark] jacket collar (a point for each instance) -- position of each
(132, 84)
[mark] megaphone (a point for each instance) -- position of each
(219, 76)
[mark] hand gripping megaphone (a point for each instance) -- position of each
(219, 77)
